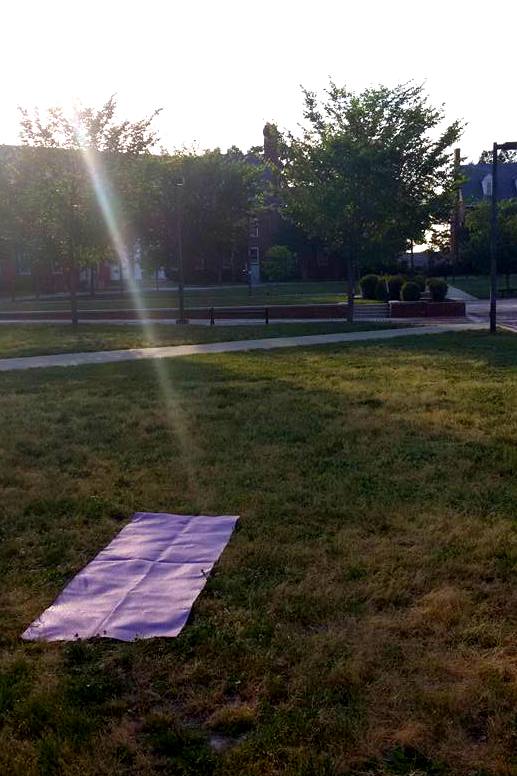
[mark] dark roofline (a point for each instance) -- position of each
(471, 188)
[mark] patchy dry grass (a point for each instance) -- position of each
(362, 619)
(38, 339)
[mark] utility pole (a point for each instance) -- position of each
(493, 233)
(493, 245)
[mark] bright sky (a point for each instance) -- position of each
(221, 69)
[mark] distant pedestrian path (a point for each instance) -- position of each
(461, 296)
(177, 351)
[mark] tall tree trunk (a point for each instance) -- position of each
(350, 288)
(73, 297)
(92, 281)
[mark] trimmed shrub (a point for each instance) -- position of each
(410, 292)
(437, 288)
(368, 285)
(420, 281)
(280, 264)
(395, 283)
(381, 291)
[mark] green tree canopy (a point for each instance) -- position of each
(76, 186)
(280, 264)
(369, 171)
(219, 195)
(503, 156)
(96, 128)
(476, 237)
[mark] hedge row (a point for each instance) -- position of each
(399, 287)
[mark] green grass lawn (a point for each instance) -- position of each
(362, 620)
(479, 285)
(270, 294)
(38, 339)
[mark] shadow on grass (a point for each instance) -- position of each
(368, 477)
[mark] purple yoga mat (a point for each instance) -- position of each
(143, 584)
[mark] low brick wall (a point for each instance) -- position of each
(408, 309)
(427, 309)
(251, 312)
(446, 309)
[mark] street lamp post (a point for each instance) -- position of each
(493, 233)
(181, 278)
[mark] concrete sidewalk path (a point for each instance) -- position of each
(177, 351)
(459, 295)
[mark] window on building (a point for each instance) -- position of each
(254, 229)
(253, 254)
(486, 183)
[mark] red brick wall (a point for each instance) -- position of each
(427, 309)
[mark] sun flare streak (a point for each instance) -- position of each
(176, 417)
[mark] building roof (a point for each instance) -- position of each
(472, 189)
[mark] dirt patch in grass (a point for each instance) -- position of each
(362, 619)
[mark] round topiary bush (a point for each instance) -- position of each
(410, 292)
(395, 283)
(438, 289)
(368, 284)
(420, 281)
(381, 290)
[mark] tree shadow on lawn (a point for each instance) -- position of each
(363, 607)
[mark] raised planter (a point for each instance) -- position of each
(407, 309)
(423, 309)
(447, 309)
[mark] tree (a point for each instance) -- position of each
(369, 172)
(85, 186)
(476, 237)
(15, 230)
(503, 156)
(280, 264)
(89, 128)
(220, 194)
